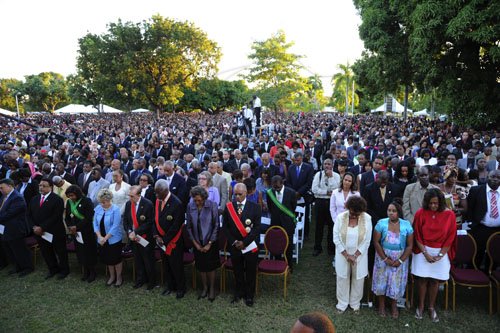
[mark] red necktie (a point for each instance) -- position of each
(42, 200)
(493, 204)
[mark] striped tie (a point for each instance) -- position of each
(494, 206)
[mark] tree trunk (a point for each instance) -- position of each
(405, 112)
(347, 97)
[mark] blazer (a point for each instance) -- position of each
(366, 179)
(49, 216)
(178, 186)
(252, 212)
(303, 183)
(273, 170)
(150, 194)
(357, 169)
(220, 183)
(171, 219)
(85, 226)
(13, 217)
(289, 201)
(135, 174)
(145, 218)
(84, 186)
(232, 165)
(477, 204)
(112, 222)
(30, 191)
(207, 222)
(376, 207)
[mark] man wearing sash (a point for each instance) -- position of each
(281, 202)
(241, 224)
(138, 221)
(167, 231)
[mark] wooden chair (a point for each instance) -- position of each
(493, 250)
(188, 256)
(159, 259)
(276, 243)
(468, 277)
(222, 243)
(32, 244)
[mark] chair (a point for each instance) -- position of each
(493, 250)
(468, 277)
(32, 244)
(188, 256)
(159, 259)
(227, 264)
(298, 237)
(128, 255)
(276, 243)
(221, 241)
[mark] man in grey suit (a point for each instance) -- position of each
(221, 184)
(414, 194)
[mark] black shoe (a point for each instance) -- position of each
(110, 284)
(166, 292)
(317, 253)
(25, 272)
(235, 299)
(180, 294)
(62, 276)
(249, 302)
(151, 287)
(138, 285)
(49, 275)
(203, 294)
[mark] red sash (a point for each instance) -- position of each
(134, 217)
(173, 243)
(237, 221)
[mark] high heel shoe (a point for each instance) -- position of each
(118, 285)
(434, 316)
(203, 294)
(109, 284)
(418, 313)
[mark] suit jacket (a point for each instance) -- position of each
(49, 216)
(376, 207)
(366, 179)
(75, 172)
(273, 169)
(13, 217)
(135, 174)
(232, 165)
(220, 183)
(356, 170)
(252, 212)
(464, 162)
(84, 186)
(289, 201)
(69, 178)
(171, 220)
(303, 183)
(178, 187)
(146, 209)
(150, 194)
(207, 222)
(85, 226)
(263, 148)
(492, 165)
(477, 204)
(248, 150)
(30, 191)
(162, 152)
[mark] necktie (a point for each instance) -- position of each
(168, 181)
(163, 204)
(382, 193)
(298, 172)
(3, 201)
(42, 199)
(494, 205)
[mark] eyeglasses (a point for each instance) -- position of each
(143, 180)
(204, 178)
(239, 194)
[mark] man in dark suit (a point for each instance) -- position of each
(167, 232)
(237, 161)
(369, 176)
(265, 145)
(378, 196)
(74, 169)
(85, 178)
(287, 197)
(266, 164)
(138, 220)
(483, 204)
(61, 171)
(241, 225)
(299, 178)
(15, 228)
(400, 153)
(45, 215)
(136, 174)
(360, 167)
(27, 187)
(176, 183)
(159, 151)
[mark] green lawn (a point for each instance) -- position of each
(34, 305)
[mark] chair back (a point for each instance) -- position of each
(466, 250)
(188, 243)
(276, 241)
(493, 250)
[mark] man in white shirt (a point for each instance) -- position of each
(256, 110)
(248, 116)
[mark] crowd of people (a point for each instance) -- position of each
(389, 193)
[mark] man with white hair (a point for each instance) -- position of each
(221, 184)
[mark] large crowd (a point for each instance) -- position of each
(389, 193)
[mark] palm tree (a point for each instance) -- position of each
(342, 82)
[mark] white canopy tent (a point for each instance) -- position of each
(395, 108)
(108, 109)
(379, 109)
(7, 112)
(141, 110)
(421, 113)
(75, 109)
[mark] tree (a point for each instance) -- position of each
(148, 62)
(343, 92)
(276, 71)
(45, 91)
(214, 95)
(8, 90)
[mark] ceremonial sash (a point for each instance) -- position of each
(134, 217)
(281, 207)
(173, 243)
(237, 221)
(73, 207)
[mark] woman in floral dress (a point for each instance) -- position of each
(393, 242)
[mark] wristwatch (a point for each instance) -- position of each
(440, 254)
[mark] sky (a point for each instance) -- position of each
(38, 36)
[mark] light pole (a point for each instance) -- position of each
(17, 105)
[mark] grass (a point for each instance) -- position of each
(32, 304)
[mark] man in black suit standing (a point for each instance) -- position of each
(15, 228)
(266, 164)
(241, 225)
(299, 178)
(237, 161)
(167, 232)
(27, 187)
(483, 204)
(369, 176)
(138, 221)
(280, 213)
(176, 183)
(45, 215)
(85, 178)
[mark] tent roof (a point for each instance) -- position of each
(110, 109)
(140, 110)
(7, 112)
(75, 109)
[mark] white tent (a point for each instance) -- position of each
(379, 109)
(141, 110)
(108, 109)
(421, 113)
(7, 112)
(398, 108)
(75, 109)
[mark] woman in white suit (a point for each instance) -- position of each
(352, 234)
(339, 197)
